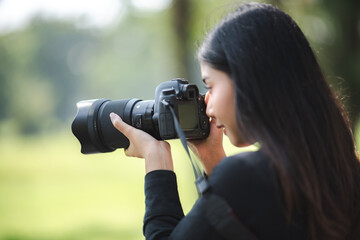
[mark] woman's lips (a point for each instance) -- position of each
(223, 127)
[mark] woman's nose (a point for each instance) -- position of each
(207, 96)
(208, 104)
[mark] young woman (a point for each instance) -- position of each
(265, 86)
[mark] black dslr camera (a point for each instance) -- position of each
(95, 132)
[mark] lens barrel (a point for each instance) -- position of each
(93, 128)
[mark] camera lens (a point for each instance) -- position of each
(93, 128)
(142, 117)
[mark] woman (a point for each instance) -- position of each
(265, 86)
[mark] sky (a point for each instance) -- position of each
(15, 14)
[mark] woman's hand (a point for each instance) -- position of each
(210, 151)
(157, 154)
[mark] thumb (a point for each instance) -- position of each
(120, 125)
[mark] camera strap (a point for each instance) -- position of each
(200, 182)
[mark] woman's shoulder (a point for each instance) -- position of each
(246, 177)
(247, 166)
(249, 183)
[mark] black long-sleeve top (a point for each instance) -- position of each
(247, 182)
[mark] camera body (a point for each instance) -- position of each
(189, 107)
(94, 130)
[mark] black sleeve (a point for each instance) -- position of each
(163, 209)
(164, 218)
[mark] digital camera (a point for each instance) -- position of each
(93, 128)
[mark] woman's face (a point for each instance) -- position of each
(220, 101)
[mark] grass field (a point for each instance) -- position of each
(48, 190)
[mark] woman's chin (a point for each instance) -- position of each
(236, 141)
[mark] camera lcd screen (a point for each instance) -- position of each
(188, 116)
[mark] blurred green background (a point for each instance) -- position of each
(55, 53)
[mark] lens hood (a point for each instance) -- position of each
(84, 126)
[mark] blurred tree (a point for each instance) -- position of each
(345, 51)
(5, 66)
(182, 27)
(50, 65)
(190, 22)
(36, 81)
(133, 58)
(60, 43)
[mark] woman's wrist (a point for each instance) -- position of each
(159, 158)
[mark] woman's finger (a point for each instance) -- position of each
(120, 125)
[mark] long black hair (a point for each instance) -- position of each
(284, 103)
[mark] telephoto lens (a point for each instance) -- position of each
(93, 128)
